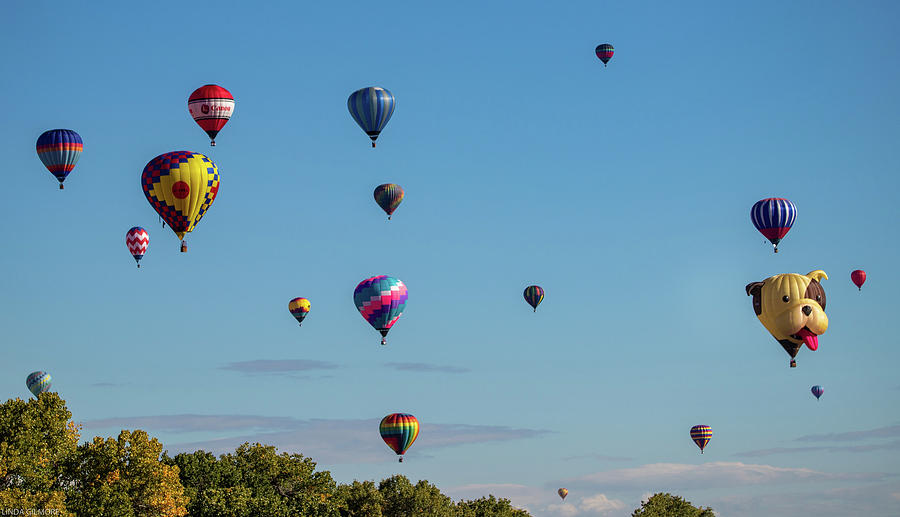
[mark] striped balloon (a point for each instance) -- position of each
(212, 107)
(604, 52)
(817, 391)
(381, 300)
(299, 308)
(701, 435)
(59, 150)
(399, 431)
(137, 239)
(371, 108)
(38, 382)
(181, 186)
(388, 197)
(773, 217)
(534, 294)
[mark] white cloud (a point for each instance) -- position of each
(601, 505)
(562, 509)
(675, 476)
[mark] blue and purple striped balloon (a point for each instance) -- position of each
(59, 150)
(817, 391)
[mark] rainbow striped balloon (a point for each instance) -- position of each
(299, 308)
(59, 150)
(701, 435)
(381, 300)
(399, 431)
(534, 295)
(388, 197)
(371, 108)
(38, 382)
(604, 52)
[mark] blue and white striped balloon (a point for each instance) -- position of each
(371, 108)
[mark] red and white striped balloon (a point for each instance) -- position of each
(137, 239)
(211, 106)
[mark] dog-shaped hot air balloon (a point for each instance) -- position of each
(792, 308)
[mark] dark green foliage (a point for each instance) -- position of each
(668, 505)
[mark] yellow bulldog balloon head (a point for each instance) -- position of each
(792, 308)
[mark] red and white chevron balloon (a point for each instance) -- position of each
(137, 239)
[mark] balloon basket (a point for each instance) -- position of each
(373, 145)
(401, 459)
(793, 363)
(183, 247)
(139, 266)
(61, 187)
(212, 143)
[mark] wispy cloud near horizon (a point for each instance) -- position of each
(425, 367)
(278, 366)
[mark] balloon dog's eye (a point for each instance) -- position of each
(786, 299)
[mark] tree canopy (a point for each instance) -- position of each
(668, 505)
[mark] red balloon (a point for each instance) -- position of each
(858, 277)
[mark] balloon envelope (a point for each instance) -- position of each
(180, 186)
(381, 300)
(817, 391)
(38, 382)
(299, 308)
(212, 107)
(371, 108)
(562, 493)
(388, 197)
(701, 434)
(773, 217)
(59, 150)
(534, 295)
(604, 52)
(399, 431)
(859, 278)
(137, 239)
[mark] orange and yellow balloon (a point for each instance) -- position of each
(299, 308)
(181, 186)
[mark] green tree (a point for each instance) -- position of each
(36, 438)
(360, 499)
(256, 480)
(124, 477)
(668, 505)
(488, 507)
(402, 499)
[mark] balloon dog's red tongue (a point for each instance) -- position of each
(811, 340)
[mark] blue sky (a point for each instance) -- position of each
(624, 192)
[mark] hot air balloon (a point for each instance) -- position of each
(604, 52)
(817, 391)
(211, 106)
(299, 308)
(534, 294)
(181, 186)
(137, 239)
(381, 300)
(59, 150)
(399, 431)
(701, 435)
(371, 108)
(792, 308)
(562, 493)
(773, 217)
(38, 382)
(859, 278)
(388, 197)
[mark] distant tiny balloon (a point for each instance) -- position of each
(38, 382)
(299, 308)
(817, 391)
(399, 431)
(59, 151)
(701, 434)
(562, 493)
(138, 240)
(604, 52)
(859, 278)
(773, 217)
(388, 197)
(534, 295)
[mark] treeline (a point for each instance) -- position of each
(43, 468)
